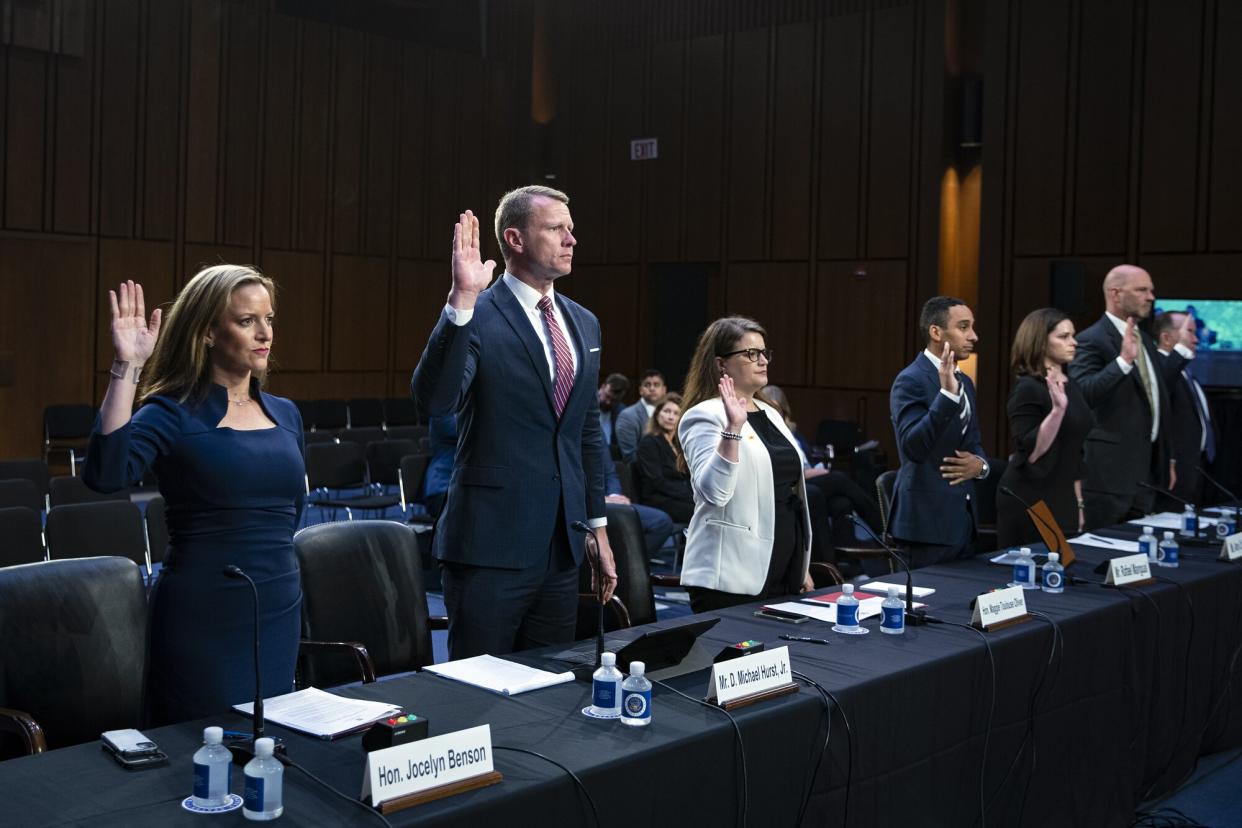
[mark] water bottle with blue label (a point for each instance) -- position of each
(1024, 570)
(1054, 574)
(893, 621)
(1147, 544)
(636, 697)
(1167, 554)
(213, 770)
(1190, 522)
(264, 780)
(606, 688)
(847, 613)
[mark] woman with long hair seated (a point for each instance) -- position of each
(749, 537)
(661, 484)
(229, 461)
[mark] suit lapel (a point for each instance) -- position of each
(1114, 337)
(513, 312)
(575, 331)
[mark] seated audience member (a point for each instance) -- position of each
(611, 394)
(632, 423)
(442, 440)
(750, 537)
(1048, 421)
(660, 483)
(657, 526)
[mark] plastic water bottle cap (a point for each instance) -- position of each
(1146, 530)
(637, 668)
(264, 747)
(848, 589)
(892, 592)
(608, 659)
(1054, 556)
(213, 735)
(1168, 536)
(1025, 550)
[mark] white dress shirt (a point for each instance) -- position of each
(1152, 382)
(959, 397)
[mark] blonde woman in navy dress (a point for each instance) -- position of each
(229, 461)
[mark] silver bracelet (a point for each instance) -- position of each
(119, 367)
(729, 435)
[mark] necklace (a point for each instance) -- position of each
(241, 401)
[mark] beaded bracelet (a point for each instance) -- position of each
(729, 435)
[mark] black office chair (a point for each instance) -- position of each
(413, 470)
(400, 411)
(362, 436)
(364, 611)
(68, 428)
(417, 433)
(366, 413)
(331, 415)
(63, 491)
(309, 411)
(79, 530)
(337, 467)
(22, 493)
(33, 470)
(74, 654)
(885, 485)
(157, 529)
(21, 531)
(384, 461)
(310, 438)
(625, 475)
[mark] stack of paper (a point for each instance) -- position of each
(498, 675)
(316, 713)
(882, 587)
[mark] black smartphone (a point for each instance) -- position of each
(781, 615)
(132, 749)
(145, 760)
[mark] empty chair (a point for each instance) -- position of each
(384, 460)
(80, 530)
(314, 437)
(336, 467)
(407, 432)
(21, 536)
(20, 493)
(67, 428)
(413, 470)
(157, 529)
(400, 411)
(331, 415)
(74, 653)
(66, 490)
(364, 611)
(33, 470)
(361, 436)
(308, 411)
(366, 413)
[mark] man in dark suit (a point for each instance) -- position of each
(1125, 383)
(611, 393)
(934, 414)
(519, 364)
(1192, 434)
(632, 423)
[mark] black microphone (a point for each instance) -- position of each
(914, 617)
(243, 749)
(1237, 505)
(1069, 578)
(593, 557)
(1179, 499)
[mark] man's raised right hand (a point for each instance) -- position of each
(470, 273)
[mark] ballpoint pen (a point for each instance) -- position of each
(804, 639)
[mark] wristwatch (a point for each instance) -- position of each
(986, 468)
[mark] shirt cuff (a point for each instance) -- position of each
(1184, 351)
(1126, 367)
(597, 523)
(456, 316)
(957, 398)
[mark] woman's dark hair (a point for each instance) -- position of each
(653, 422)
(1030, 343)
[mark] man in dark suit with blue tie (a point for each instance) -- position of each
(1192, 434)
(519, 364)
(934, 414)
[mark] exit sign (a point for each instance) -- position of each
(644, 149)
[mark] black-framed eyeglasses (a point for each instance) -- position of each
(751, 354)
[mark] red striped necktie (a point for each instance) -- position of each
(564, 360)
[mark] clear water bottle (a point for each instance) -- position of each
(213, 770)
(1054, 574)
(1024, 570)
(636, 697)
(1167, 554)
(893, 621)
(606, 687)
(264, 780)
(1190, 522)
(1148, 544)
(847, 611)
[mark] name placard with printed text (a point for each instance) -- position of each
(1128, 570)
(994, 608)
(756, 673)
(429, 763)
(1231, 549)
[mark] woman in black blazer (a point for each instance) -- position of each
(1048, 423)
(660, 483)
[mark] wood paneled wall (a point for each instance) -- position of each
(1111, 134)
(177, 133)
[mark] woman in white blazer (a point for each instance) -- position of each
(750, 535)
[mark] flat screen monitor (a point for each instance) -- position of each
(1219, 323)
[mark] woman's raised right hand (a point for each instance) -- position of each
(734, 406)
(133, 337)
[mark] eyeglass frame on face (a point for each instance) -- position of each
(766, 353)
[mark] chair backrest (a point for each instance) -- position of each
(310, 438)
(157, 529)
(82, 530)
(844, 435)
(985, 492)
(361, 582)
(361, 436)
(74, 654)
(309, 412)
(629, 552)
(66, 490)
(400, 411)
(407, 432)
(384, 460)
(335, 466)
(20, 492)
(413, 470)
(21, 536)
(625, 475)
(331, 415)
(68, 422)
(885, 484)
(366, 413)
(33, 470)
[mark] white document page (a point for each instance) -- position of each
(498, 675)
(321, 714)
